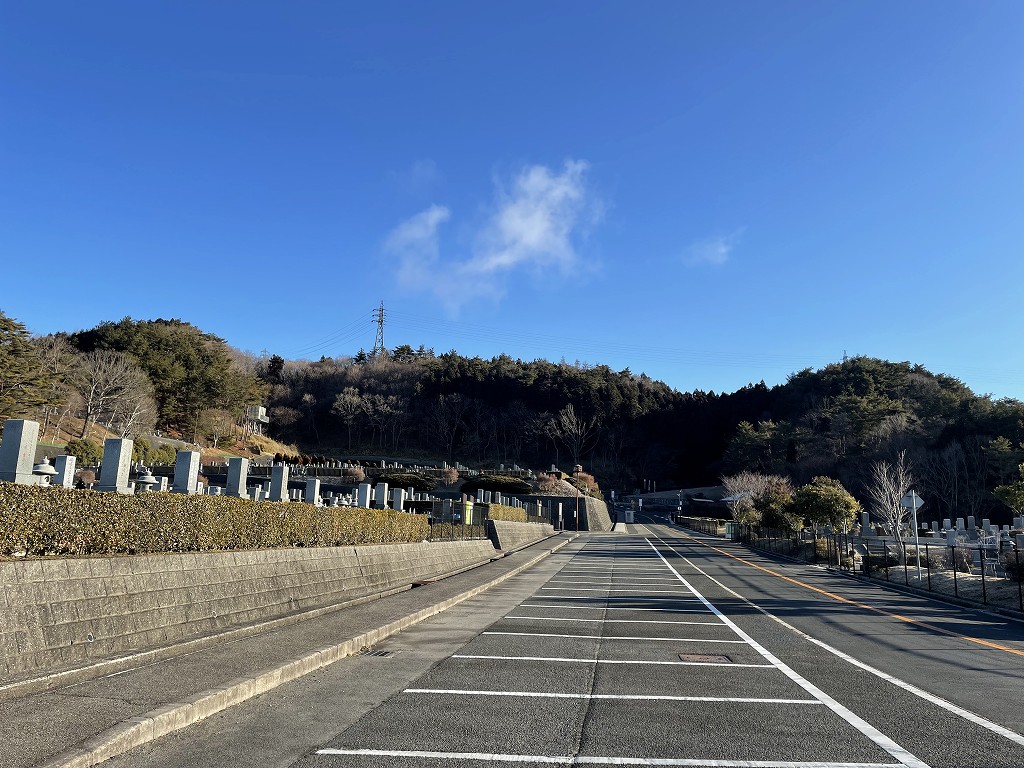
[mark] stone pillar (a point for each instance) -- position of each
(313, 491)
(186, 472)
(363, 496)
(380, 496)
(18, 451)
(238, 474)
(117, 462)
(398, 499)
(65, 466)
(279, 482)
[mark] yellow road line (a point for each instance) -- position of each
(865, 606)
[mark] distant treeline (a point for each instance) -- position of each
(623, 427)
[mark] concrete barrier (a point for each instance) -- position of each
(507, 536)
(56, 612)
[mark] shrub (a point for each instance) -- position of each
(511, 514)
(881, 560)
(1013, 564)
(86, 451)
(58, 521)
(449, 475)
(501, 483)
(420, 483)
(547, 482)
(353, 474)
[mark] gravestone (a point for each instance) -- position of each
(186, 473)
(65, 466)
(380, 496)
(238, 474)
(117, 463)
(398, 499)
(363, 495)
(279, 482)
(313, 491)
(18, 451)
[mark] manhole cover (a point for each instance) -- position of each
(705, 658)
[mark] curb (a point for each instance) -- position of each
(173, 717)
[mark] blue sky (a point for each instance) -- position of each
(713, 193)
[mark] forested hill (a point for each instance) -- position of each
(623, 427)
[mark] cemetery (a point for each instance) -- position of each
(143, 558)
(960, 559)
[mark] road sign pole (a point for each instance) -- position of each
(912, 501)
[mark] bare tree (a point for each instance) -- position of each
(113, 388)
(446, 417)
(743, 488)
(348, 406)
(575, 432)
(890, 481)
(217, 423)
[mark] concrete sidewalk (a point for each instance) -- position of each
(87, 722)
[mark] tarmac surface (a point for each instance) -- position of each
(649, 646)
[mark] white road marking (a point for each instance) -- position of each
(909, 687)
(616, 608)
(609, 696)
(868, 730)
(615, 661)
(574, 580)
(616, 597)
(610, 637)
(617, 621)
(632, 592)
(596, 760)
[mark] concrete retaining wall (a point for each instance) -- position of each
(61, 611)
(507, 535)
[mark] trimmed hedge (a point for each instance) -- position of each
(59, 521)
(510, 514)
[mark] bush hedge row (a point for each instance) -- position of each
(511, 514)
(58, 521)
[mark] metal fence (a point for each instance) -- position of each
(989, 570)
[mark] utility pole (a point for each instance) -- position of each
(378, 318)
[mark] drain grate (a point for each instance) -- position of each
(705, 658)
(379, 654)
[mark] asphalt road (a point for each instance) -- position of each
(656, 647)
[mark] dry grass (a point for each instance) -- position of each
(998, 591)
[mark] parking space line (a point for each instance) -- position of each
(909, 687)
(596, 760)
(609, 696)
(614, 597)
(615, 661)
(616, 621)
(616, 608)
(865, 728)
(631, 591)
(609, 637)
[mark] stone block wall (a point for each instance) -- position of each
(57, 612)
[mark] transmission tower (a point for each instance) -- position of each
(378, 318)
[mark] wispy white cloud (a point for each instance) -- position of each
(531, 227)
(534, 221)
(715, 251)
(415, 245)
